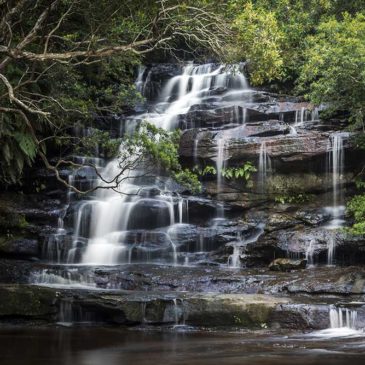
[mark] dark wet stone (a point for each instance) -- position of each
(19, 247)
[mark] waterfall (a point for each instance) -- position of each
(195, 152)
(337, 170)
(343, 317)
(336, 160)
(234, 260)
(139, 82)
(108, 225)
(303, 115)
(293, 130)
(219, 167)
(309, 253)
(264, 166)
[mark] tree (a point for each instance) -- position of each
(334, 68)
(258, 40)
(52, 51)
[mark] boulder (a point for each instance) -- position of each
(287, 265)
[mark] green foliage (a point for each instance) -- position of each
(161, 145)
(356, 207)
(236, 173)
(316, 45)
(159, 150)
(334, 68)
(17, 148)
(189, 180)
(230, 173)
(258, 39)
(207, 170)
(26, 144)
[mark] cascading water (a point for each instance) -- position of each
(309, 253)
(264, 167)
(139, 221)
(343, 317)
(234, 260)
(302, 116)
(219, 167)
(343, 323)
(336, 159)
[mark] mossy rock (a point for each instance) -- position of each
(27, 301)
(18, 245)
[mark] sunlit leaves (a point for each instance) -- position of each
(334, 68)
(259, 41)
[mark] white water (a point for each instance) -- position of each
(343, 323)
(309, 253)
(302, 116)
(343, 317)
(234, 260)
(264, 166)
(219, 167)
(336, 162)
(105, 221)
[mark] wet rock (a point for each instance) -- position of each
(19, 247)
(287, 265)
(312, 217)
(252, 311)
(209, 310)
(27, 302)
(16, 271)
(288, 153)
(318, 280)
(301, 316)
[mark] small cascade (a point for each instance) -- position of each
(143, 312)
(336, 162)
(60, 278)
(234, 260)
(302, 116)
(54, 248)
(264, 166)
(219, 167)
(178, 312)
(139, 81)
(143, 79)
(337, 166)
(195, 152)
(244, 116)
(331, 246)
(66, 315)
(309, 253)
(70, 313)
(343, 323)
(343, 317)
(293, 130)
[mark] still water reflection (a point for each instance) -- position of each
(110, 346)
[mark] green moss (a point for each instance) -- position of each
(18, 300)
(9, 221)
